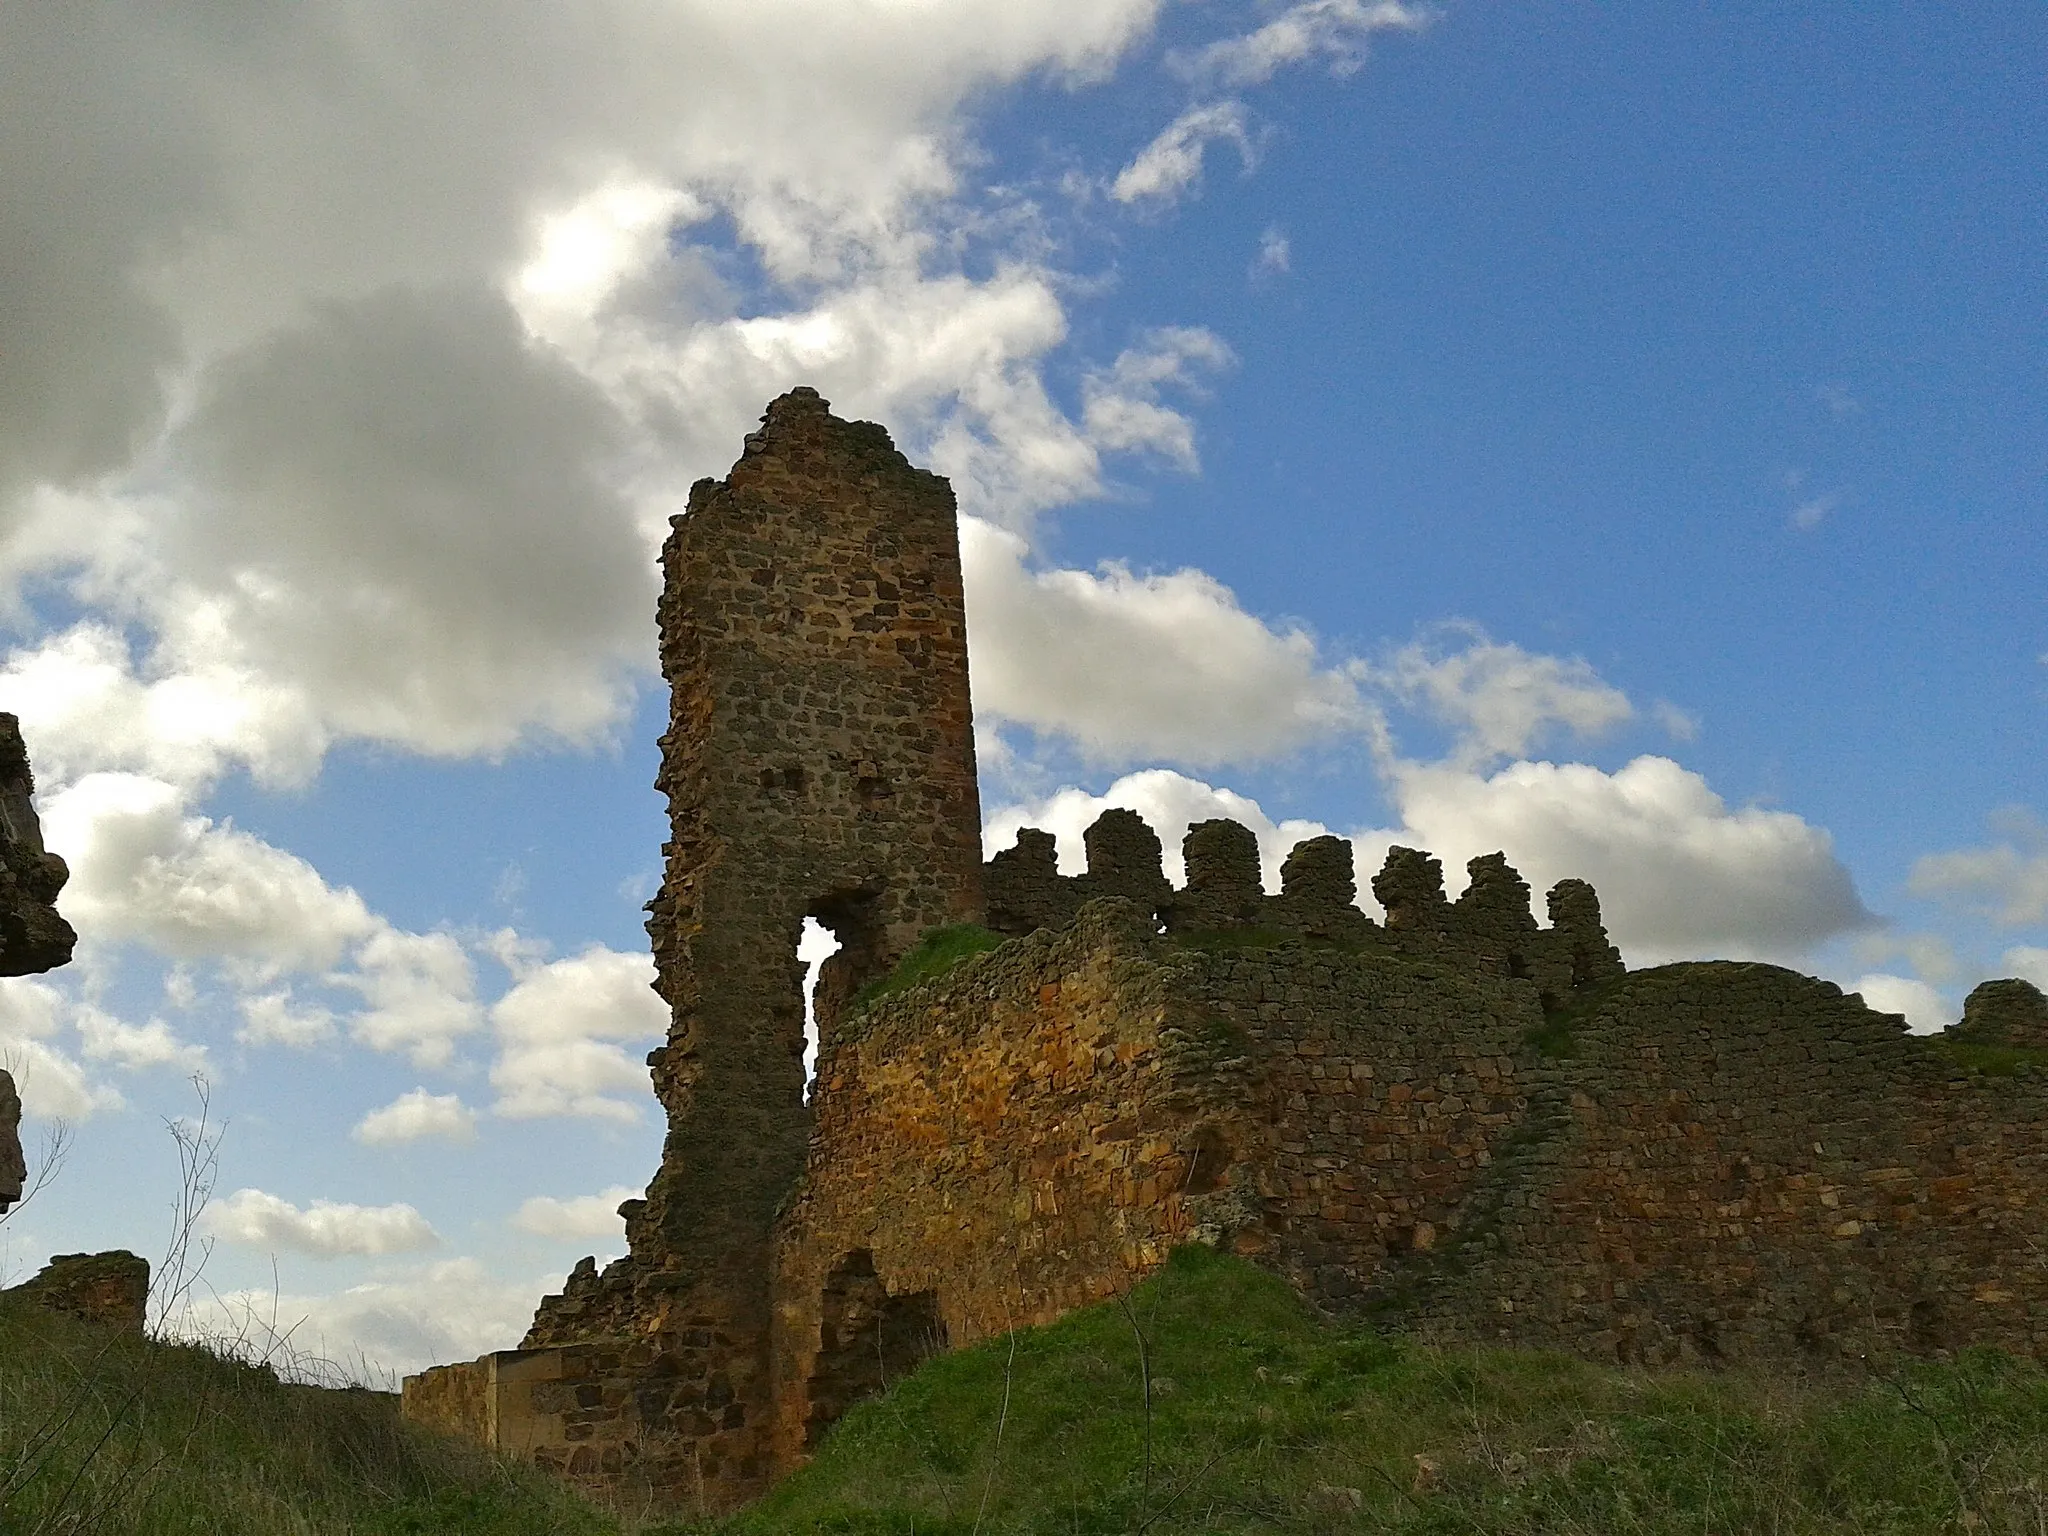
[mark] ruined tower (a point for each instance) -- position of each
(819, 762)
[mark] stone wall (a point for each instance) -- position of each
(2008, 1012)
(1732, 1160)
(1489, 930)
(1034, 1130)
(1703, 1162)
(108, 1289)
(1011, 1141)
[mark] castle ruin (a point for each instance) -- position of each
(33, 936)
(1472, 1124)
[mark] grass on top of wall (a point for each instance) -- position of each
(936, 953)
(1991, 1060)
(1263, 1418)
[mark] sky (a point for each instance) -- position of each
(1612, 435)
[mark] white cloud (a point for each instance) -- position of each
(415, 1116)
(136, 1047)
(1171, 165)
(1931, 956)
(421, 989)
(1336, 30)
(584, 1216)
(1925, 1009)
(83, 707)
(1170, 803)
(1676, 723)
(272, 1018)
(390, 462)
(399, 1323)
(409, 517)
(144, 870)
(52, 1084)
(1275, 256)
(562, 1033)
(1501, 699)
(1810, 514)
(1120, 404)
(584, 253)
(2029, 963)
(326, 1229)
(1131, 666)
(2007, 879)
(1680, 874)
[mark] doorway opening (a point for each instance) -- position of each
(817, 945)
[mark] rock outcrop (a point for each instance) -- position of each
(2008, 1012)
(110, 1290)
(33, 937)
(13, 1166)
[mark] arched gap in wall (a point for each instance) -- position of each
(817, 945)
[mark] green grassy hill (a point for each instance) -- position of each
(1263, 1419)
(105, 1432)
(1210, 1401)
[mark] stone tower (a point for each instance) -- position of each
(819, 762)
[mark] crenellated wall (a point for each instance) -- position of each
(1460, 1120)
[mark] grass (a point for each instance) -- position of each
(936, 953)
(1556, 1038)
(1210, 1400)
(117, 1435)
(1991, 1060)
(1263, 1418)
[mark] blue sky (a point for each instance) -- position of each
(1614, 436)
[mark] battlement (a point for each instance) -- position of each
(1489, 929)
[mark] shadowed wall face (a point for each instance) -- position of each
(33, 937)
(819, 762)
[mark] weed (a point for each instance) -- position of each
(936, 953)
(1991, 1060)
